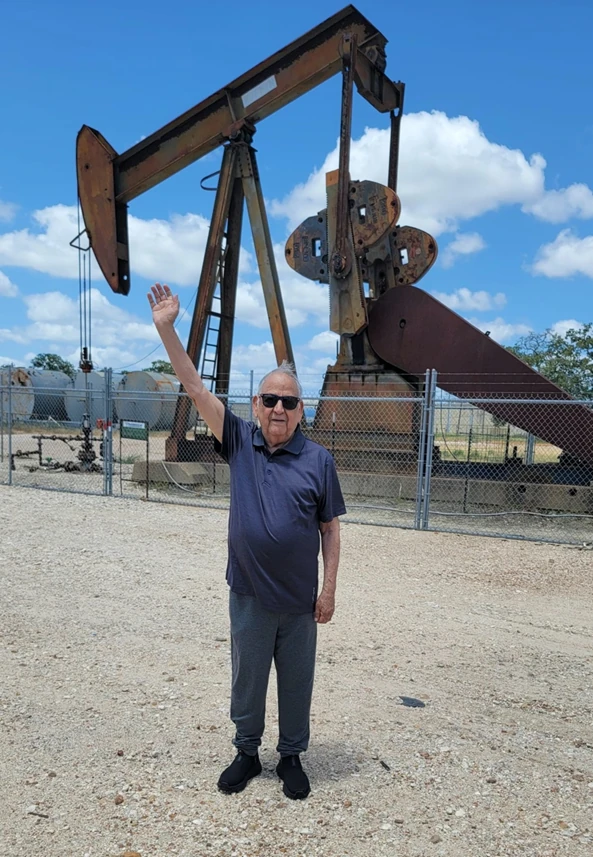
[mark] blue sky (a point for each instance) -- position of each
(496, 161)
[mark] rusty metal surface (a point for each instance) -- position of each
(264, 250)
(370, 426)
(291, 72)
(386, 255)
(411, 330)
(207, 284)
(385, 95)
(341, 255)
(288, 74)
(105, 221)
(228, 287)
(374, 209)
(420, 250)
(347, 305)
(306, 250)
(396, 118)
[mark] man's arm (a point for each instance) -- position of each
(165, 308)
(330, 550)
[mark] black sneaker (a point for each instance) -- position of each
(242, 769)
(296, 782)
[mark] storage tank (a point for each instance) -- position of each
(149, 397)
(22, 395)
(88, 396)
(50, 389)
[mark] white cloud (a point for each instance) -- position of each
(7, 211)
(464, 244)
(7, 335)
(565, 256)
(261, 359)
(169, 250)
(501, 330)
(325, 341)
(47, 250)
(449, 172)
(6, 361)
(465, 300)
(54, 317)
(558, 206)
(7, 288)
(562, 327)
(305, 302)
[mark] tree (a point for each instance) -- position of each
(161, 366)
(53, 362)
(565, 360)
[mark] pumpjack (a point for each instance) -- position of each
(390, 330)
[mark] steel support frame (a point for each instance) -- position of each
(108, 181)
(396, 118)
(239, 182)
(228, 287)
(342, 251)
(264, 250)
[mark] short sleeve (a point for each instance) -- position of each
(331, 503)
(234, 433)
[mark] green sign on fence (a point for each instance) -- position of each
(133, 430)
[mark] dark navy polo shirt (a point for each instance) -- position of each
(277, 503)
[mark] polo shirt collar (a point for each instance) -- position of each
(294, 445)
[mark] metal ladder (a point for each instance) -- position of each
(209, 361)
(209, 357)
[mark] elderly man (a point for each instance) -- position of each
(284, 494)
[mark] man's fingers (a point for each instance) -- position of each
(159, 293)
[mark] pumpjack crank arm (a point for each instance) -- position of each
(341, 257)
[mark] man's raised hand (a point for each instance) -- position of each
(164, 305)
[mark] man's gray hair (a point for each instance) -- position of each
(285, 368)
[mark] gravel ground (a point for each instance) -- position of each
(114, 693)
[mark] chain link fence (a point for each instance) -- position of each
(509, 464)
(513, 464)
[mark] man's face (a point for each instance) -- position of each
(277, 424)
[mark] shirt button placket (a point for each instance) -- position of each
(268, 472)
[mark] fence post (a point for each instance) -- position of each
(421, 453)
(9, 423)
(108, 436)
(530, 449)
(1, 418)
(429, 448)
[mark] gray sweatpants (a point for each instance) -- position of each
(257, 637)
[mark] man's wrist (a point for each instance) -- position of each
(164, 326)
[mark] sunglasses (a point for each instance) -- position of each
(270, 400)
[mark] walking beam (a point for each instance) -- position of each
(107, 181)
